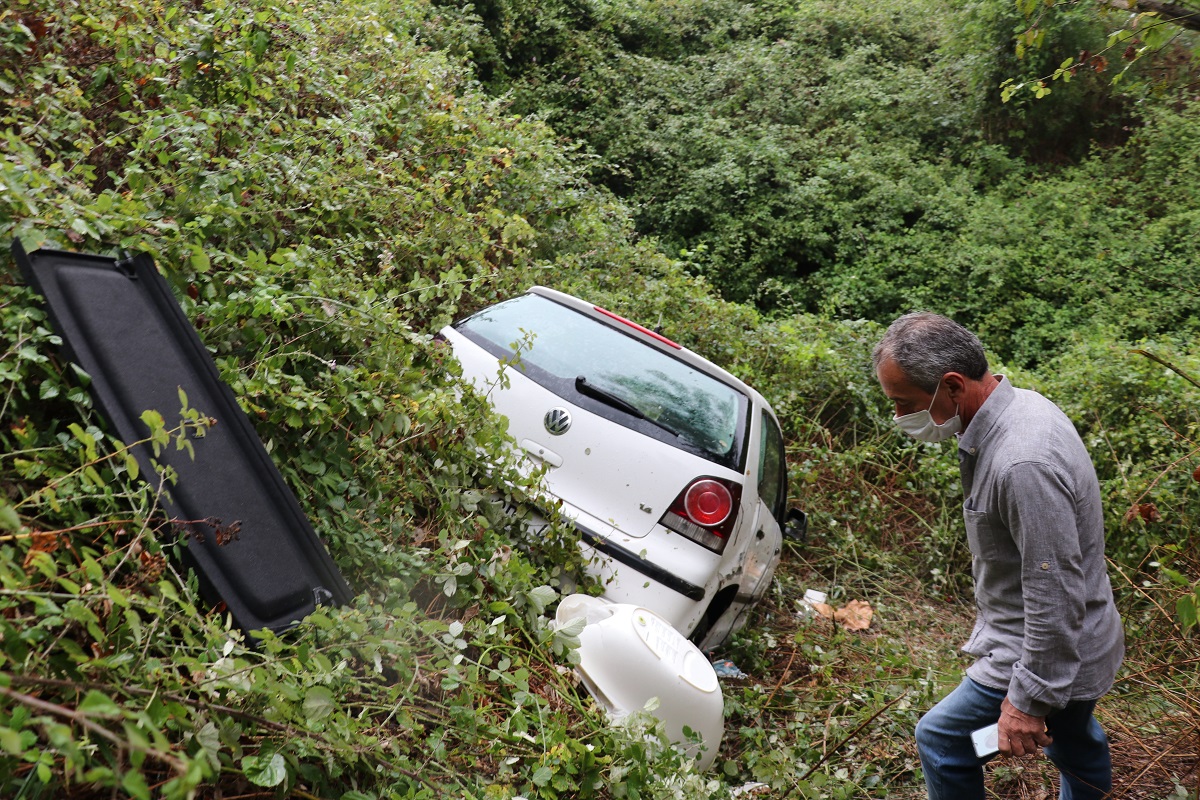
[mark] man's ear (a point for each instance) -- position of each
(956, 385)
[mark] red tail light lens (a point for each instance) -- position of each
(707, 503)
(705, 512)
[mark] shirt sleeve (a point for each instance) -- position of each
(1038, 507)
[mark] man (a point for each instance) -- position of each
(1047, 638)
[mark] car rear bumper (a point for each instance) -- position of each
(663, 571)
(636, 561)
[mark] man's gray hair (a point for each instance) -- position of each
(925, 346)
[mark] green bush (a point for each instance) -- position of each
(325, 186)
(855, 161)
(323, 192)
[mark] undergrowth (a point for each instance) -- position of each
(324, 188)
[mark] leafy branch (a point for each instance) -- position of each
(192, 425)
(1174, 368)
(94, 704)
(1152, 26)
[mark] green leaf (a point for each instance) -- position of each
(10, 741)
(92, 477)
(9, 519)
(131, 465)
(43, 562)
(118, 597)
(98, 775)
(97, 704)
(1185, 608)
(318, 704)
(81, 375)
(133, 783)
(540, 597)
(1176, 577)
(209, 738)
(264, 770)
(153, 419)
(200, 261)
(79, 225)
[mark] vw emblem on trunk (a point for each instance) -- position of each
(557, 421)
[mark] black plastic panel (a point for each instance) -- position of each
(121, 324)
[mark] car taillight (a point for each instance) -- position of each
(707, 502)
(705, 512)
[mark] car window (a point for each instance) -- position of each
(772, 468)
(677, 403)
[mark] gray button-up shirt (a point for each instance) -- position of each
(1047, 630)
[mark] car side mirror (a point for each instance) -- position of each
(795, 526)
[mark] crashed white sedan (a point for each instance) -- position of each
(671, 469)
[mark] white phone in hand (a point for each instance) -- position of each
(986, 741)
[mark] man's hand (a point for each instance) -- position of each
(1020, 734)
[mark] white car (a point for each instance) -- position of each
(671, 469)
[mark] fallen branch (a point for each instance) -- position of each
(854, 732)
(82, 720)
(255, 719)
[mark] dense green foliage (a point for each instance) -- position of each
(326, 183)
(857, 161)
(324, 191)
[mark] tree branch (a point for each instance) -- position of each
(1182, 16)
(1168, 365)
(99, 730)
(289, 730)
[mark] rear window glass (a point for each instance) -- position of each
(672, 401)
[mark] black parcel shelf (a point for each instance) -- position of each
(121, 324)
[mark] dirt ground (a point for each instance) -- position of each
(1154, 733)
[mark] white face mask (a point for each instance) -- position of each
(921, 426)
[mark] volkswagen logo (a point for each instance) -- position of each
(557, 421)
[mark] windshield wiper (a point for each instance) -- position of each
(604, 396)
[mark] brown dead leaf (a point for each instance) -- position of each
(855, 615)
(153, 565)
(40, 542)
(44, 541)
(1147, 511)
(228, 533)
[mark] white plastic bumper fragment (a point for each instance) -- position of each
(630, 655)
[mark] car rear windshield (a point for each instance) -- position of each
(612, 373)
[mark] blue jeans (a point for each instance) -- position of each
(954, 772)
